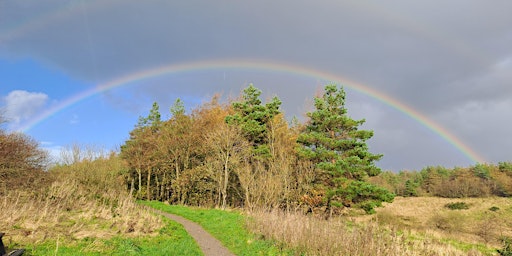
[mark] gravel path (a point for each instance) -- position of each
(207, 243)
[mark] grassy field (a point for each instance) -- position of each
(172, 239)
(86, 210)
(52, 224)
(408, 226)
(227, 226)
(483, 223)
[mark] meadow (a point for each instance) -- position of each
(72, 218)
(92, 204)
(408, 226)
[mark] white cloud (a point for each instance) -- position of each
(21, 105)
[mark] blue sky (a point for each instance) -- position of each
(81, 123)
(450, 62)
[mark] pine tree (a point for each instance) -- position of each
(334, 142)
(153, 119)
(253, 119)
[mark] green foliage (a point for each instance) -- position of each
(506, 250)
(410, 188)
(171, 240)
(178, 108)
(333, 141)
(253, 118)
(457, 206)
(480, 180)
(153, 119)
(494, 209)
(482, 171)
(505, 167)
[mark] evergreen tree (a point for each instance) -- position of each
(178, 108)
(253, 118)
(334, 142)
(153, 119)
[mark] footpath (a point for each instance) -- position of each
(208, 244)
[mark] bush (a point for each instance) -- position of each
(457, 206)
(482, 171)
(505, 166)
(494, 209)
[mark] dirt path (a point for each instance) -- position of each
(207, 243)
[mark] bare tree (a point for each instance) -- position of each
(227, 146)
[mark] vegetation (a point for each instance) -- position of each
(78, 208)
(480, 180)
(333, 142)
(171, 239)
(457, 206)
(298, 189)
(227, 226)
(21, 161)
(430, 216)
(245, 154)
(309, 235)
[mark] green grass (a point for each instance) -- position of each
(171, 240)
(468, 246)
(227, 226)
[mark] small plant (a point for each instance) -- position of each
(494, 209)
(457, 206)
(506, 250)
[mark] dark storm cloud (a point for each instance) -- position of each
(445, 59)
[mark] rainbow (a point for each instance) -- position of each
(263, 66)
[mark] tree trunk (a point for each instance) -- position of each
(139, 192)
(157, 194)
(149, 185)
(226, 181)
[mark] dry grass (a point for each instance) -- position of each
(76, 205)
(338, 236)
(478, 224)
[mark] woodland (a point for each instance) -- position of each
(246, 154)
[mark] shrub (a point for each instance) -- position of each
(457, 206)
(494, 209)
(410, 188)
(505, 167)
(482, 171)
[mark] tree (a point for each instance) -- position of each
(177, 144)
(336, 145)
(21, 161)
(153, 119)
(140, 150)
(227, 147)
(253, 118)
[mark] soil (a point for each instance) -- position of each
(208, 244)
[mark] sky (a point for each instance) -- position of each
(432, 79)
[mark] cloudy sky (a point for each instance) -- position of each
(448, 62)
